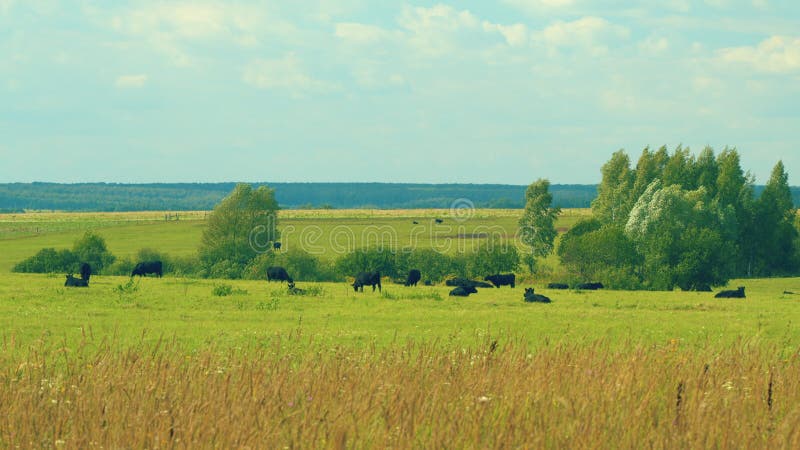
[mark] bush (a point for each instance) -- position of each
(223, 290)
(121, 267)
(48, 260)
(225, 269)
(367, 259)
(493, 257)
(91, 248)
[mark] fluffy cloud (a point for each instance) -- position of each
(515, 35)
(131, 81)
(590, 33)
(359, 33)
(539, 5)
(777, 54)
(286, 73)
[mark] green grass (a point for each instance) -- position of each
(186, 310)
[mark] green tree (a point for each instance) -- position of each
(493, 257)
(684, 237)
(91, 248)
(241, 226)
(776, 233)
(707, 171)
(680, 169)
(537, 225)
(613, 194)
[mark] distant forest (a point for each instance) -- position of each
(15, 197)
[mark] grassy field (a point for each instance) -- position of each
(166, 362)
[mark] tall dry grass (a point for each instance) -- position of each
(497, 395)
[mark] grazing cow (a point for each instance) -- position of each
(463, 282)
(463, 291)
(278, 273)
(143, 268)
(86, 271)
(532, 297)
(589, 286)
(76, 282)
(501, 279)
(367, 279)
(276, 245)
(438, 220)
(738, 293)
(557, 286)
(295, 290)
(413, 277)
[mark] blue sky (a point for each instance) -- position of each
(349, 90)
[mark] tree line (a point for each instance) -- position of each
(17, 197)
(680, 220)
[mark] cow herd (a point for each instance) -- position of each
(462, 287)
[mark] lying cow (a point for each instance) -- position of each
(738, 293)
(413, 277)
(278, 273)
(589, 286)
(293, 290)
(367, 279)
(76, 282)
(501, 279)
(557, 286)
(143, 268)
(532, 297)
(463, 291)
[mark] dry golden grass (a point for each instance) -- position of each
(496, 395)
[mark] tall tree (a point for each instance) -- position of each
(241, 226)
(613, 194)
(735, 193)
(537, 225)
(776, 233)
(680, 169)
(707, 171)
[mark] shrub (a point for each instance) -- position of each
(367, 259)
(48, 260)
(91, 248)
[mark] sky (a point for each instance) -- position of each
(348, 90)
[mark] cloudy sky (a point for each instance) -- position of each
(351, 90)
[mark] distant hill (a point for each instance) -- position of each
(203, 196)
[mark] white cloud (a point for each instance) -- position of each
(539, 5)
(590, 33)
(189, 20)
(131, 81)
(654, 45)
(777, 54)
(515, 35)
(435, 31)
(359, 33)
(284, 74)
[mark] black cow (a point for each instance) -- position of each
(278, 273)
(76, 282)
(86, 271)
(738, 293)
(501, 279)
(276, 245)
(413, 277)
(428, 283)
(463, 291)
(438, 220)
(463, 282)
(532, 297)
(415, 222)
(557, 286)
(143, 268)
(589, 286)
(367, 279)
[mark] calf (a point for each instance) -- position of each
(413, 277)
(463, 291)
(143, 268)
(295, 290)
(276, 245)
(367, 279)
(76, 282)
(738, 293)
(501, 279)
(557, 286)
(278, 273)
(532, 297)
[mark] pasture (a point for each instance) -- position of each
(167, 362)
